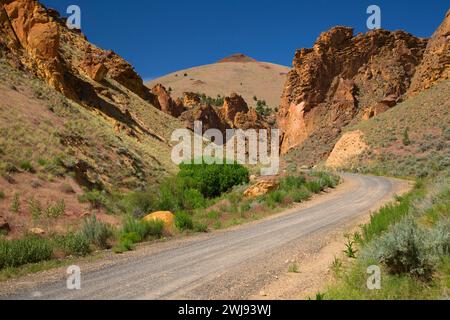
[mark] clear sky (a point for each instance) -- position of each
(162, 36)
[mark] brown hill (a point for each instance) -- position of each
(345, 78)
(237, 57)
(73, 118)
(238, 73)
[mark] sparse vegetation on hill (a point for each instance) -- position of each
(410, 140)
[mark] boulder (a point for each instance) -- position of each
(166, 216)
(37, 231)
(260, 188)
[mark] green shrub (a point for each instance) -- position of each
(56, 210)
(200, 227)
(293, 268)
(386, 216)
(407, 249)
(314, 186)
(193, 199)
(441, 237)
(73, 245)
(15, 253)
(213, 179)
(139, 203)
(183, 221)
(277, 196)
(406, 141)
(15, 204)
(214, 215)
(143, 229)
(123, 246)
(97, 199)
(326, 180)
(132, 237)
(245, 206)
(35, 208)
(26, 166)
(300, 195)
(2, 195)
(96, 232)
(292, 182)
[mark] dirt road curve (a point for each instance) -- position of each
(222, 264)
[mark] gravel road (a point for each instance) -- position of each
(182, 268)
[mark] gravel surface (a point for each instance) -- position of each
(231, 264)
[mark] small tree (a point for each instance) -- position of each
(406, 141)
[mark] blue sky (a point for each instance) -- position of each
(162, 36)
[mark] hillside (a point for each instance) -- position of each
(73, 119)
(238, 73)
(412, 139)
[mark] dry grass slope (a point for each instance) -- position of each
(248, 79)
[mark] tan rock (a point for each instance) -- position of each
(351, 145)
(166, 216)
(37, 231)
(191, 99)
(260, 188)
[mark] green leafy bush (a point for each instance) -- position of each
(96, 232)
(386, 216)
(73, 245)
(292, 182)
(2, 195)
(314, 186)
(143, 229)
(193, 199)
(15, 253)
(96, 198)
(123, 246)
(56, 210)
(15, 204)
(213, 179)
(139, 203)
(300, 195)
(26, 166)
(200, 227)
(183, 221)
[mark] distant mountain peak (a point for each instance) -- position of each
(237, 57)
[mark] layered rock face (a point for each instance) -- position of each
(37, 39)
(234, 114)
(32, 39)
(165, 103)
(233, 105)
(191, 99)
(435, 65)
(338, 80)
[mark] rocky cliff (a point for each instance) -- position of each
(340, 79)
(435, 65)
